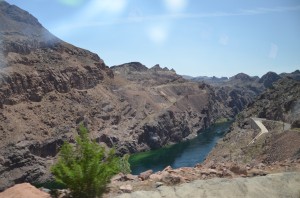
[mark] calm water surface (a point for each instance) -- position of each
(185, 154)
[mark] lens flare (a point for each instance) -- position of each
(71, 2)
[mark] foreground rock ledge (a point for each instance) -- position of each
(24, 190)
(273, 185)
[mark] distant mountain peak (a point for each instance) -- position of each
(269, 78)
(157, 67)
(241, 76)
(131, 66)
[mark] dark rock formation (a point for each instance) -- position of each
(242, 77)
(268, 79)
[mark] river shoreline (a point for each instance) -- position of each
(187, 153)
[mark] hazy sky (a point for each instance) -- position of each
(195, 37)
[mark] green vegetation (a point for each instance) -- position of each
(86, 168)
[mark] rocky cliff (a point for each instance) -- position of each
(279, 108)
(47, 87)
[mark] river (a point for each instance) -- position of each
(184, 154)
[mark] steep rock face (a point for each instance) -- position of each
(236, 98)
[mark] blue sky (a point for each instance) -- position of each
(195, 37)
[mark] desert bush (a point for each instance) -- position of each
(86, 167)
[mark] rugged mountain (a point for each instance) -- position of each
(210, 80)
(280, 106)
(156, 75)
(294, 75)
(47, 87)
(268, 79)
(240, 90)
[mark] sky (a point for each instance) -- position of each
(195, 37)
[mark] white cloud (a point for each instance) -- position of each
(273, 51)
(175, 5)
(224, 40)
(158, 34)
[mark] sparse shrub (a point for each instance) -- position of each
(86, 168)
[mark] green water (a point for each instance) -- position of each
(185, 154)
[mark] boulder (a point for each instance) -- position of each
(145, 175)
